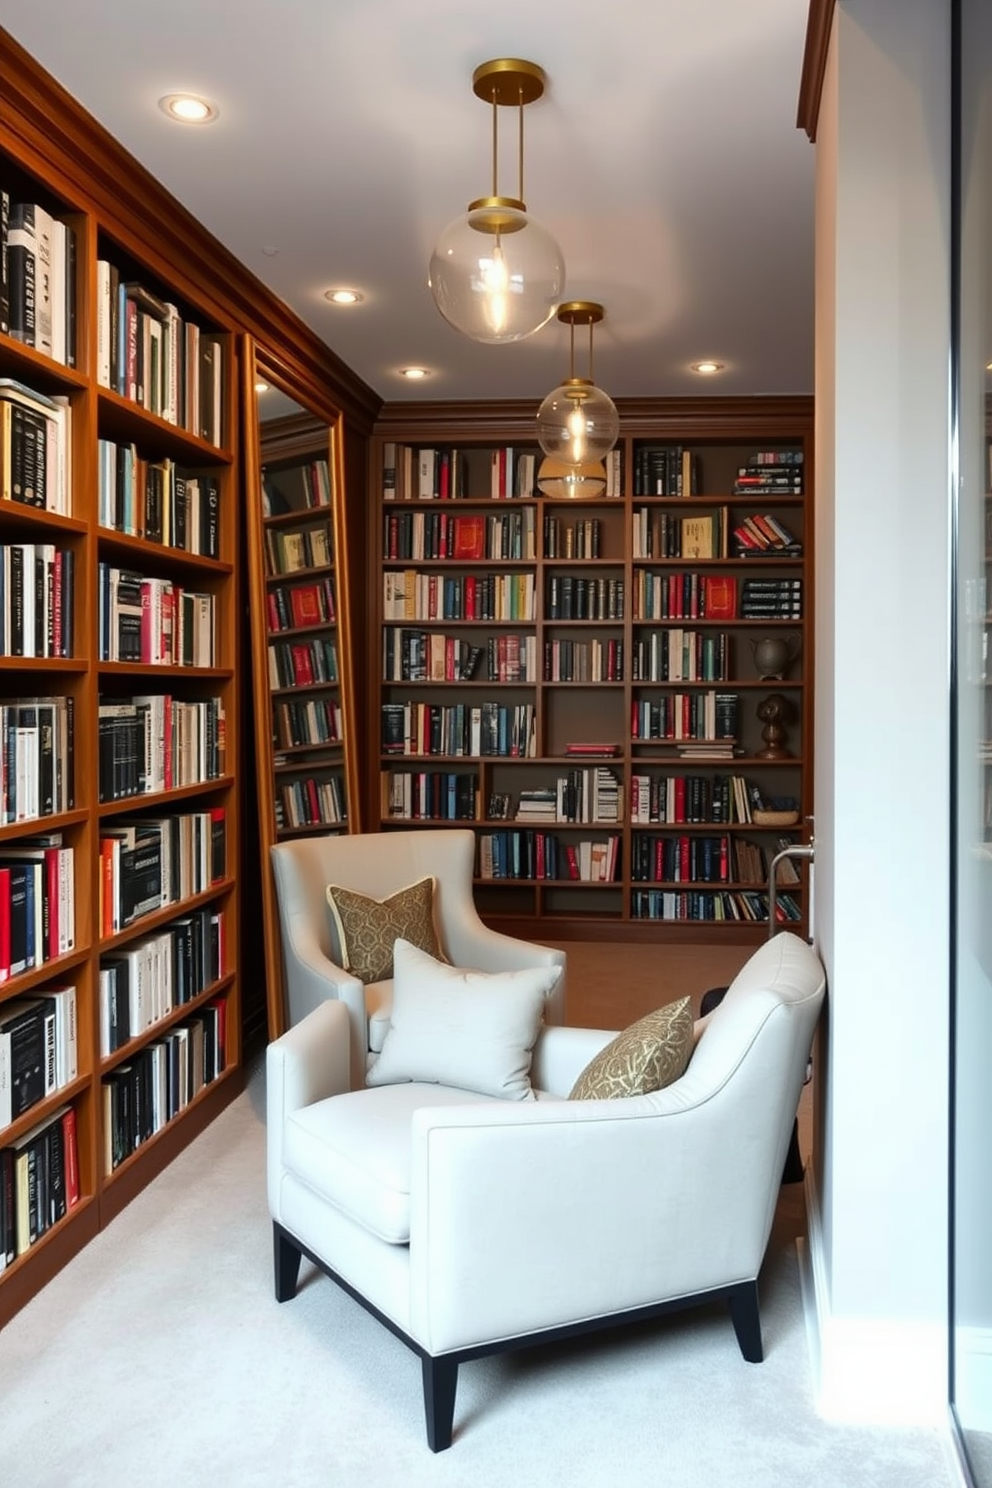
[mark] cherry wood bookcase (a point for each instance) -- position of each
(517, 633)
(114, 547)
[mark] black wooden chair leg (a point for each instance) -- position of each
(286, 1263)
(440, 1384)
(747, 1321)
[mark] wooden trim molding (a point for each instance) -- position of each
(55, 138)
(819, 24)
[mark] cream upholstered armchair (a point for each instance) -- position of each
(473, 1223)
(377, 866)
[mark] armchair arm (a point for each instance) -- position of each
(469, 941)
(561, 1054)
(312, 978)
(530, 1215)
(310, 1062)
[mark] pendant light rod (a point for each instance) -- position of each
(508, 82)
(579, 312)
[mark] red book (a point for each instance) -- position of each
(720, 597)
(4, 924)
(57, 603)
(70, 1157)
(53, 857)
(304, 604)
(470, 537)
(470, 598)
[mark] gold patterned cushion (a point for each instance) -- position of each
(369, 928)
(650, 1054)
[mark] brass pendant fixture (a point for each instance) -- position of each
(495, 274)
(577, 424)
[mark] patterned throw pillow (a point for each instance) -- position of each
(369, 928)
(650, 1054)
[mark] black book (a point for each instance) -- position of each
(71, 258)
(210, 518)
(21, 270)
(4, 324)
(23, 1024)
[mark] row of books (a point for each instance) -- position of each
(147, 863)
(157, 742)
(149, 354)
(697, 859)
(531, 854)
(35, 447)
(295, 486)
(143, 983)
(296, 549)
(772, 599)
(152, 1088)
(37, 903)
(681, 859)
(781, 476)
(665, 470)
(433, 535)
(38, 267)
(36, 757)
(686, 904)
(39, 1182)
(489, 728)
(304, 721)
(39, 1049)
(431, 656)
(37, 593)
(579, 539)
(157, 500)
(706, 715)
(430, 795)
(465, 473)
(678, 655)
(301, 606)
(566, 660)
(411, 595)
(692, 798)
(311, 800)
(155, 622)
(575, 597)
(684, 596)
(308, 663)
(765, 535)
(664, 534)
(580, 795)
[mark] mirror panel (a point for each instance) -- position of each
(300, 633)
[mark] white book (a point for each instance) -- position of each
(103, 322)
(58, 290)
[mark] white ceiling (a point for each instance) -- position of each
(664, 156)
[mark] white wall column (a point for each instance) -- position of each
(876, 1268)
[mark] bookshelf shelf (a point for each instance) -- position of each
(610, 580)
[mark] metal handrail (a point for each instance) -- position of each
(794, 850)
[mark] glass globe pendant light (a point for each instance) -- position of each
(495, 274)
(577, 424)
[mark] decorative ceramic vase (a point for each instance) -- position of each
(773, 654)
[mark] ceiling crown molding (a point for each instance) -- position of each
(819, 24)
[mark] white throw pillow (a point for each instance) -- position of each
(473, 1030)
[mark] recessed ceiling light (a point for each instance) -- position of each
(414, 373)
(707, 368)
(261, 387)
(187, 108)
(343, 296)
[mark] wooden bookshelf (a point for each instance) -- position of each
(110, 546)
(302, 674)
(519, 632)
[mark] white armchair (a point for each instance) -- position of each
(379, 864)
(470, 1225)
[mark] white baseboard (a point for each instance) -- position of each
(867, 1371)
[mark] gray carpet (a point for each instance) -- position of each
(158, 1357)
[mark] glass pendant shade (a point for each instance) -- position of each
(561, 482)
(577, 423)
(495, 274)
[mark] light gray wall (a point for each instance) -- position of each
(882, 706)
